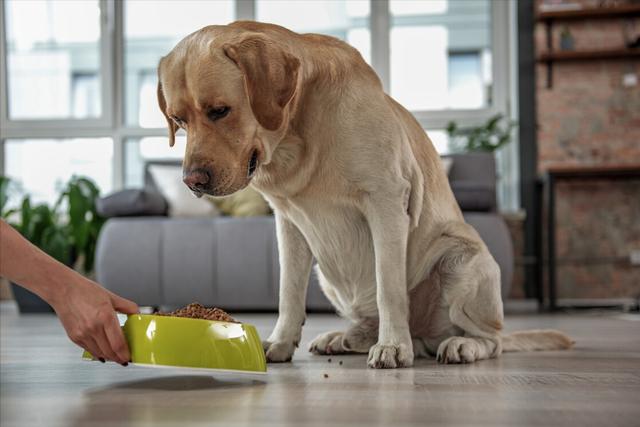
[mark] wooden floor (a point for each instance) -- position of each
(44, 383)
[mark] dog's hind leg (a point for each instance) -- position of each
(357, 339)
(470, 286)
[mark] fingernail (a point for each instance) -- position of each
(101, 359)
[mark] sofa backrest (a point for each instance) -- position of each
(472, 178)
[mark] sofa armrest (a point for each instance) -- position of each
(493, 230)
(132, 203)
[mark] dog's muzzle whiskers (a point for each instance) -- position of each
(253, 164)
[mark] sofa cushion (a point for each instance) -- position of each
(446, 162)
(474, 196)
(132, 203)
(243, 203)
(182, 203)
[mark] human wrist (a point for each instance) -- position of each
(59, 285)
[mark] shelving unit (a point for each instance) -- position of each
(591, 13)
(554, 174)
(582, 55)
(551, 56)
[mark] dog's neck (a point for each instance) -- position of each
(328, 77)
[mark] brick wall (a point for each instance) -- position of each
(590, 117)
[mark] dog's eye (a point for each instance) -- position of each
(217, 113)
(180, 122)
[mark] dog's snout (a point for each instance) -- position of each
(198, 179)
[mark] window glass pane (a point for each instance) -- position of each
(53, 58)
(140, 151)
(465, 82)
(413, 7)
(441, 54)
(151, 30)
(41, 167)
(439, 139)
(345, 19)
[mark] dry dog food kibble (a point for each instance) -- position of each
(198, 311)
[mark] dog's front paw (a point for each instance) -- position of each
(280, 351)
(383, 356)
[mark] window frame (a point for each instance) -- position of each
(112, 122)
(106, 76)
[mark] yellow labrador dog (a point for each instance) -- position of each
(354, 182)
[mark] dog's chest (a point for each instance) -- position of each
(339, 238)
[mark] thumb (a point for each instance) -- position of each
(123, 305)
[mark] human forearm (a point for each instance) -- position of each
(25, 264)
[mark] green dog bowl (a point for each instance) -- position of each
(165, 341)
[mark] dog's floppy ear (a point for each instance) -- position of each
(173, 128)
(270, 77)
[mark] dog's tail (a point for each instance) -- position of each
(536, 340)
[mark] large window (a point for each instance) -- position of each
(53, 59)
(140, 151)
(43, 166)
(441, 54)
(345, 19)
(147, 40)
(81, 76)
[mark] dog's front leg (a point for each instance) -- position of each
(295, 267)
(389, 224)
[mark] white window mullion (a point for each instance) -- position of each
(509, 158)
(106, 62)
(439, 119)
(117, 66)
(245, 10)
(4, 98)
(500, 52)
(1, 157)
(380, 41)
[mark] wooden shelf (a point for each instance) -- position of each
(551, 56)
(587, 55)
(590, 13)
(606, 170)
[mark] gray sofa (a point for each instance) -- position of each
(233, 262)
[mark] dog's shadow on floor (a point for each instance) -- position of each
(177, 383)
(166, 400)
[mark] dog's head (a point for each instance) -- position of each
(231, 94)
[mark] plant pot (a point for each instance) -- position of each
(28, 302)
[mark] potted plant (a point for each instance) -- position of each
(67, 231)
(488, 137)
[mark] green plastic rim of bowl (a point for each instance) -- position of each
(193, 343)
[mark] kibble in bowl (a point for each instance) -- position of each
(198, 311)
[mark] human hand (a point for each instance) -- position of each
(88, 314)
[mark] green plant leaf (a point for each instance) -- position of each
(488, 137)
(4, 194)
(25, 217)
(77, 236)
(54, 243)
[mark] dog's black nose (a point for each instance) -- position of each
(197, 179)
